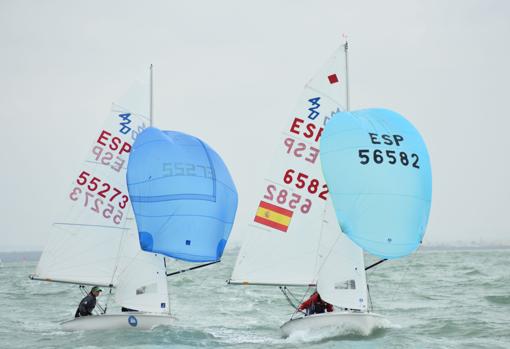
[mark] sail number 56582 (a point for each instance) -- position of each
(302, 180)
(282, 197)
(390, 156)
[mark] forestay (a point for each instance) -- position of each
(284, 243)
(378, 171)
(183, 196)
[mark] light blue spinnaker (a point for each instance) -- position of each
(182, 194)
(378, 173)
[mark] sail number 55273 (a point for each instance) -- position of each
(96, 205)
(103, 188)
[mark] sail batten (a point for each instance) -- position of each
(90, 225)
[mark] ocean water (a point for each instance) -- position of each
(433, 299)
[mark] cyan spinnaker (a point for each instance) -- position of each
(182, 195)
(378, 173)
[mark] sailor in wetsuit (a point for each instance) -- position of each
(315, 305)
(88, 303)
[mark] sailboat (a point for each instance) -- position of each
(296, 237)
(96, 241)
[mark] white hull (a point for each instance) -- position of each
(127, 320)
(340, 323)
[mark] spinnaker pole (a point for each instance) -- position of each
(192, 268)
(375, 264)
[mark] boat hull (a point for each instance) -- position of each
(339, 322)
(128, 320)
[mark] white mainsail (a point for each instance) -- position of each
(95, 240)
(85, 240)
(295, 238)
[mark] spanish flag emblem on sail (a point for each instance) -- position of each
(273, 216)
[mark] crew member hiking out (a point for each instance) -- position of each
(88, 303)
(315, 305)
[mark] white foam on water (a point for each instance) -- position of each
(339, 331)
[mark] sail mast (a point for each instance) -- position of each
(346, 48)
(151, 95)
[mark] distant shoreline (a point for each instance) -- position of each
(462, 247)
(19, 256)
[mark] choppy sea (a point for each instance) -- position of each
(432, 299)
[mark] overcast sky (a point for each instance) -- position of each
(229, 71)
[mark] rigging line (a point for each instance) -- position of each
(327, 256)
(102, 311)
(62, 243)
(317, 254)
(291, 294)
(370, 304)
(296, 309)
(88, 225)
(285, 293)
(347, 94)
(107, 301)
(297, 300)
(323, 223)
(127, 266)
(192, 268)
(121, 247)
